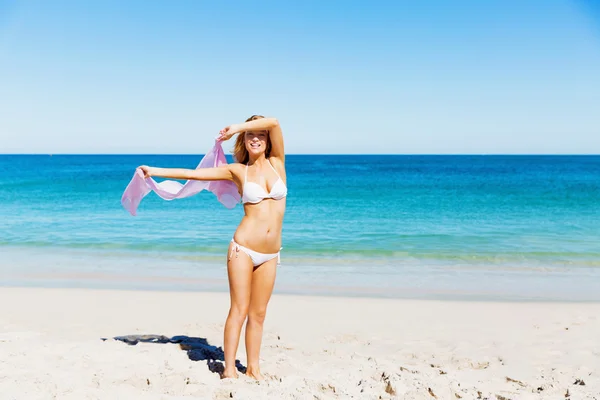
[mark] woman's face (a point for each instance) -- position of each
(256, 142)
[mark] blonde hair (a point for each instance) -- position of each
(240, 153)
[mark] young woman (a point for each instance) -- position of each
(253, 254)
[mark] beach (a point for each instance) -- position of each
(59, 344)
(401, 277)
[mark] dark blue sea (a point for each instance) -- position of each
(464, 227)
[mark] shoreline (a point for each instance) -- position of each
(313, 347)
(199, 285)
(451, 282)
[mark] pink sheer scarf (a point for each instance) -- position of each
(138, 188)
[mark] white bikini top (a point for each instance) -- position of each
(254, 193)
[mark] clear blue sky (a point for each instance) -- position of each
(505, 76)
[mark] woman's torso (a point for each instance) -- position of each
(260, 228)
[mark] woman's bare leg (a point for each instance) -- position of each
(239, 271)
(263, 280)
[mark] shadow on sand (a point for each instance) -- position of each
(198, 349)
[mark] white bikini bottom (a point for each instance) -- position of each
(256, 257)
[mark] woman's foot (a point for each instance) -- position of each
(229, 374)
(254, 373)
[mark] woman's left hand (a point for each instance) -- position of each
(227, 132)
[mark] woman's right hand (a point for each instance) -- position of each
(146, 170)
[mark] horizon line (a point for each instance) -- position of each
(307, 154)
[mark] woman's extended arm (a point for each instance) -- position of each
(200, 174)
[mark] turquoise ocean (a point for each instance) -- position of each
(452, 227)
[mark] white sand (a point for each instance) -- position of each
(314, 348)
